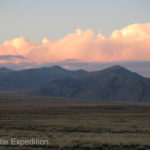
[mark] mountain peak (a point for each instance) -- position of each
(4, 70)
(56, 67)
(119, 70)
(115, 67)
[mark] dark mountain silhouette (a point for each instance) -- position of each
(32, 78)
(115, 83)
(4, 70)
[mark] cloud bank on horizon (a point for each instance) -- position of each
(131, 43)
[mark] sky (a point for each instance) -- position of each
(35, 19)
(39, 32)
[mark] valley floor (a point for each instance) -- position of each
(74, 124)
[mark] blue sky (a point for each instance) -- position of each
(35, 19)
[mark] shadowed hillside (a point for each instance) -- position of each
(31, 78)
(114, 83)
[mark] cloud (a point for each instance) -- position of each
(130, 43)
(71, 60)
(11, 57)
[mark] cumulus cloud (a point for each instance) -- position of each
(128, 44)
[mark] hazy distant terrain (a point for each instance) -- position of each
(32, 78)
(111, 84)
(115, 83)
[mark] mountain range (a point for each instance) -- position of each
(111, 84)
(32, 78)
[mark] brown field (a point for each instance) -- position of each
(74, 124)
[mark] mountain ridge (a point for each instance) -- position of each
(31, 78)
(113, 83)
(5, 70)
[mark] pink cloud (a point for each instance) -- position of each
(129, 43)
